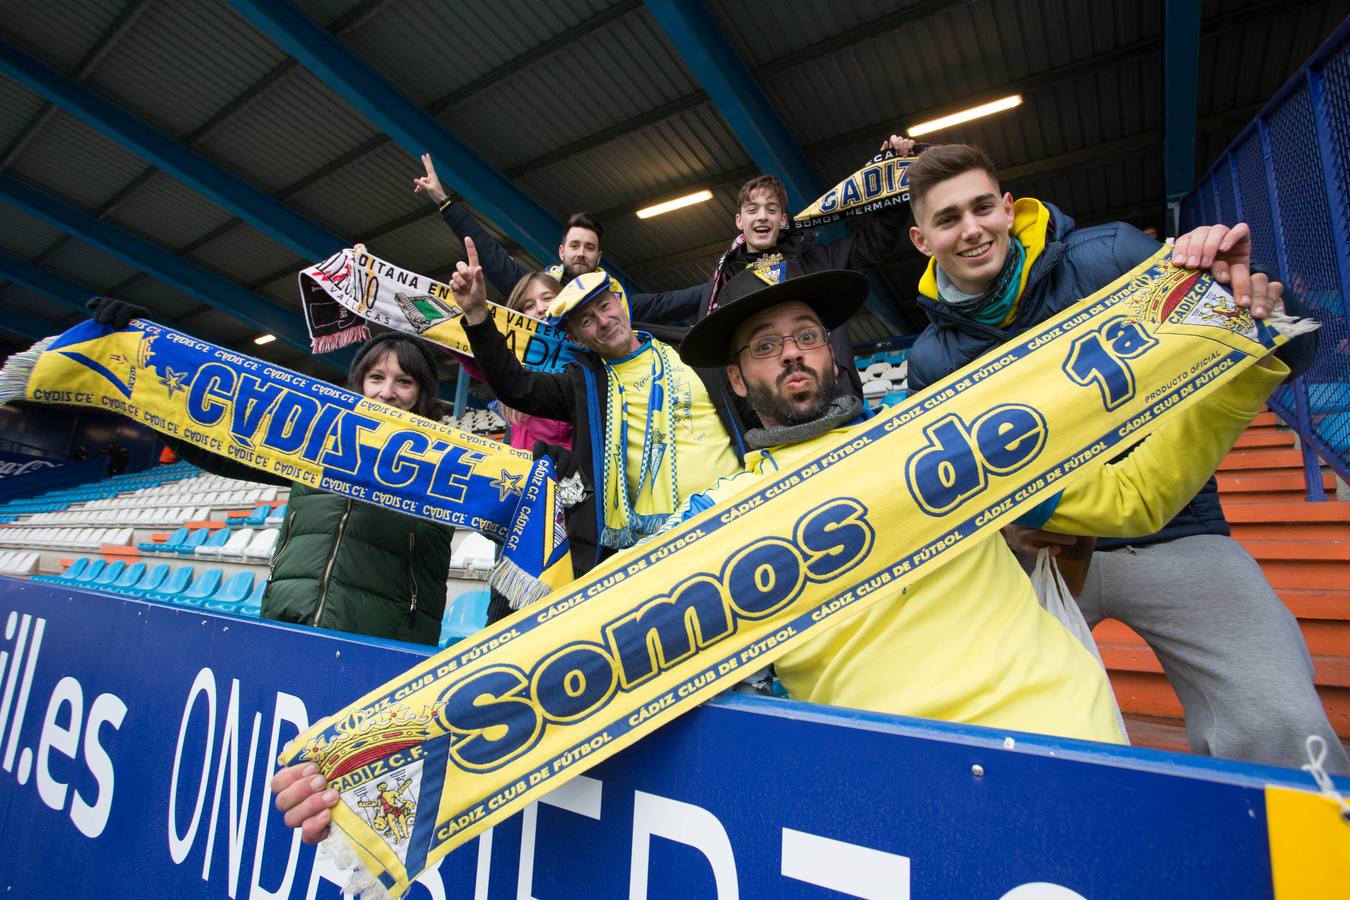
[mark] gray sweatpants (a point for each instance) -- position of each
(1231, 649)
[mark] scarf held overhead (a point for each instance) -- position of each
(881, 184)
(306, 430)
(351, 287)
(473, 734)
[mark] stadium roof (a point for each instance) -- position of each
(192, 155)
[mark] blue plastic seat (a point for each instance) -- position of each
(177, 582)
(130, 575)
(275, 517)
(232, 593)
(171, 545)
(219, 538)
(202, 587)
(252, 605)
(70, 574)
(196, 537)
(253, 519)
(91, 571)
(150, 581)
(465, 615)
(108, 575)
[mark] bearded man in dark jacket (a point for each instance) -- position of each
(1230, 648)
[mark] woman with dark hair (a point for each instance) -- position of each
(341, 563)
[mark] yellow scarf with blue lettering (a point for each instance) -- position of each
(472, 735)
(308, 431)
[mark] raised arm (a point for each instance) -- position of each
(536, 393)
(500, 267)
(1142, 492)
(668, 307)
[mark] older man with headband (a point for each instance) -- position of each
(648, 430)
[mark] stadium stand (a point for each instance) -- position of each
(129, 530)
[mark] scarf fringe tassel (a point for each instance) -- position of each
(329, 343)
(639, 526)
(361, 885)
(1292, 326)
(518, 586)
(19, 368)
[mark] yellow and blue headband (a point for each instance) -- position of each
(582, 290)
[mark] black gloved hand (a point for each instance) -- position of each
(564, 463)
(573, 488)
(113, 312)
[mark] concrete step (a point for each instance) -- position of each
(1142, 689)
(1262, 458)
(1277, 529)
(1266, 419)
(1264, 438)
(1326, 636)
(1313, 551)
(1282, 487)
(1164, 733)
(1323, 603)
(1305, 574)
(1293, 512)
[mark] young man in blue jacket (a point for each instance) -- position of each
(1230, 648)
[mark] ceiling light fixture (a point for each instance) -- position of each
(264, 339)
(966, 115)
(677, 203)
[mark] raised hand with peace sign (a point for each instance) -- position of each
(430, 183)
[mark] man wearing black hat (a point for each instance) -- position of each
(968, 642)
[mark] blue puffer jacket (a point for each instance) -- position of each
(1073, 264)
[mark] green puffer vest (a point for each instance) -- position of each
(350, 566)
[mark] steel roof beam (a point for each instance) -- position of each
(201, 283)
(699, 41)
(226, 190)
(1181, 74)
(359, 85)
(65, 292)
(26, 327)
(102, 46)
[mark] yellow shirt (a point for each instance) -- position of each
(969, 642)
(702, 451)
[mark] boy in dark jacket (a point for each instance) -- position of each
(1230, 648)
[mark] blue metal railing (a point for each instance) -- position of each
(1287, 174)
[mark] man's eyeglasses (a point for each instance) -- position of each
(767, 345)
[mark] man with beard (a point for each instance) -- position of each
(579, 252)
(968, 642)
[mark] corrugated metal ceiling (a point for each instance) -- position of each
(587, 104)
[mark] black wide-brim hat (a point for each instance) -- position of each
(834, 295)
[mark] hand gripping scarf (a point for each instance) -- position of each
(881, 184)
(350, 288)
(473, 734)
(309, 431)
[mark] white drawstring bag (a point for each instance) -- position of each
(1059, 602)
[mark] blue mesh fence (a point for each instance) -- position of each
(1288, 176)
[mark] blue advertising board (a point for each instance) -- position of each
(137, 741)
